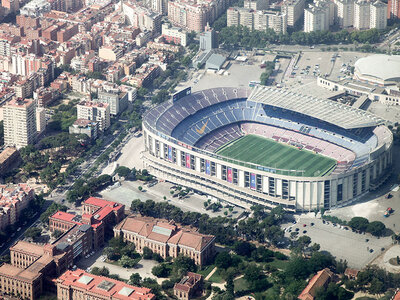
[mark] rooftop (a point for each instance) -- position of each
(162, 231)
(104, 286)
(326, 110)
(31, 248)
(381, 66)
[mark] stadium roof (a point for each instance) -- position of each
(326, 110)
(382, 66)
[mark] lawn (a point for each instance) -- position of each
(241, 285)
(271, 154)
(206, 271)
(279, 264)
(216, 277)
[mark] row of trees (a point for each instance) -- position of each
(240, 36)
(375, 228)
(83, 189)
(262, 226)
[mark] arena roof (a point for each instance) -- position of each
(327, 110)
(382, 66)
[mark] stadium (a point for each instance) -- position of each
(267, 146)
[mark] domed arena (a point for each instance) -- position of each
(267, 146)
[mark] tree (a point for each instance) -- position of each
(223, 260)
(135, 279)
(161, 270)
(123, 171)
(33, 232)
(127, 262)
(376, 287)
(255, 278)
(376, 228)
(140, 188)
(243, 248)
(184, 264)
(147, 253)
(359, 223)
(229, 285)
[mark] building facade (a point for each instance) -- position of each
(294, 10)
(362, 14)
(99, 112)
(13, 200)
(393, 9)
(174, 34)
(378, 17)
(19, 122)
(166, 238)
(257, 20)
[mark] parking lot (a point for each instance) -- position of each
(341, 243)
(129, 191)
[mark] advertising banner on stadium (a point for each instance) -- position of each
(252, 181)
(208, 167)
(229, 176)
(187, 160)
(169, 153)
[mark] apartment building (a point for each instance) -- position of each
(188, 15)
(257, 20)
(82, 126)
(81, 285)
(378, 18)
(117, 100)
(13, 199)
(319, 16)
(294, 10)
(174, 34)
(256, 4)
(19, 122)
(393, 9)
(344, 13)
(111, 53)
(166, 238)
(8, 157)
(93, 111)
(142, 17)
(362, 14)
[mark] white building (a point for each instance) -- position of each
(318, 16)
(19, 123)
(294, 10)
(35, 8)
(256, 4)
(174, 34)
(257, 20)
(378, 18)
(141, 17)
(93, 111)
(345, 13)
(40, 119)
(362, 14)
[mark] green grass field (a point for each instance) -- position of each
(269, 153)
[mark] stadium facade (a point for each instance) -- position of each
(183, 138)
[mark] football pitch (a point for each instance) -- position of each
(271, 154)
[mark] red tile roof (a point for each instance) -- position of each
(103, 203)
(319, 280)
(150, 228)
(63, 216)
(104, 286)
